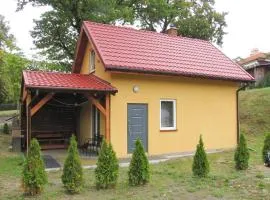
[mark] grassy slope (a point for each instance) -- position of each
(173, 179)
(8, 113)
(255, 111)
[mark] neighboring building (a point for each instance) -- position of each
(127, 84)
(257, 64)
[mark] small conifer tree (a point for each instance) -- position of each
(107, 169)
(241, 155)
(72, 176)
(200, 166)
(266, 148)
(139, 172)
(6, 129)
(34, 176)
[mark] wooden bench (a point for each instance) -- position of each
(52, 140)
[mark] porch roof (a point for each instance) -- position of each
(65, 81)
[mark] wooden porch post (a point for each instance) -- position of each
(107, 119)
(28, 121)
(105, 111)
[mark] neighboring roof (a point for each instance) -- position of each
(252, 58)
(57, 80)
(130, 50)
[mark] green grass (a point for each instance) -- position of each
(255, 111)
(172, 179)
(8, 113)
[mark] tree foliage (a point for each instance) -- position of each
(7, 40)
(107, 167)
(241, 155)
(200, 166)
(72, 176)
(34, 176)
(266, 147)
(6, 129)
(7, 43)
(57, 30)
(139, 172)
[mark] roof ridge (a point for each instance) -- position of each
(146, 31)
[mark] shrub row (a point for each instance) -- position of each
(106, 172)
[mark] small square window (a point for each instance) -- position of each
(92, 61)
(167, 114)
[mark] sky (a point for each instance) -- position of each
(247, 25)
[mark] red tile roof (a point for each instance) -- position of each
(127, 49)
(252, 58)
(56, 80)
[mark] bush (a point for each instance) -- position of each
(138, 173)
(107, 167)
(241, 155)
(200, 166)
(266, 147)
(34, 175)
(72, 176)
(6, 129)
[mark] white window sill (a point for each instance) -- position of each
(168, 129)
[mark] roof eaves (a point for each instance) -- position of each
(185, 74)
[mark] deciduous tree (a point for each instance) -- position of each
(57, 30)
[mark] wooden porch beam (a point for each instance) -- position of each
(107, 119)
(24, 94)
(28, 121)
(97, 104)
(41, 103)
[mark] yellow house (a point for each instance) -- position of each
(161, 88)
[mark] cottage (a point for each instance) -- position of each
(257, 64)
(127, 84)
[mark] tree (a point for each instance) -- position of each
(7, 43)
(200, 166)
(6, 129)
(12, 66)
(107, 167)
(57, 30)
(3, 92)
(139, 172)
(241, 155)
(266, 148)
(34, 176)
(72, 176)
(7, 40)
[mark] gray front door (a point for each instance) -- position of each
(137, 127)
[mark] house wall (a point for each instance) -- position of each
(85, 123)
(206, 107)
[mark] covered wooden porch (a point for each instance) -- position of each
(51, 106)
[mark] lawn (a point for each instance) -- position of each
(7, 113)
(172, 179)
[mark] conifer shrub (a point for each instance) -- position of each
(106, 173)
(241, 155)
(72, 176)
(139, 172)
(266, 148)
(200, 166)
(6, 129)
(34, 176)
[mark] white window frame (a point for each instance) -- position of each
(92, 61)
(174, 115)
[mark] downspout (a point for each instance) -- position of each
(237, 109)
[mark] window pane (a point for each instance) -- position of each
(167, 114)
(92, 61)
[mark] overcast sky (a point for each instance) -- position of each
(248, 25)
